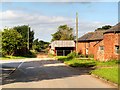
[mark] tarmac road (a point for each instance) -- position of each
(48, 73)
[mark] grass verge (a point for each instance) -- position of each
(110, 74)
(12, 57)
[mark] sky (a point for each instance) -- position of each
(45, 17)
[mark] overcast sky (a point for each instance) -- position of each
(45, 17)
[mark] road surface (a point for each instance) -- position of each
(47, 73)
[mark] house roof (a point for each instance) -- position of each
(98, 35)
(92, 36)
(85, 37)
(62, 43)
(114, 29)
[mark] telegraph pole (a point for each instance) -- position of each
(76, 32)
(28, 36)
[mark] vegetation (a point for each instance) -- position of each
(11, 57)
(72, 55)
(64, 33)
(25, 31)
(15, 43)
(106, 27)
(11, 41)
(76, 62)
(110, 74)
(39, 45)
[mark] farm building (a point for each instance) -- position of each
(103, 44)
(62, 47)
(112, 43)
(87, 43)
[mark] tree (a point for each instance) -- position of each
(11, 41)
(106, 27)
(23, 30)
(64, 33)
(40, 45)
(36, 45)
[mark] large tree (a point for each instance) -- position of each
(64, 33)
(11, 41)
(25, 31)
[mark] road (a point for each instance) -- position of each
(47, 73)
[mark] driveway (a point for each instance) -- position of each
(48, 73)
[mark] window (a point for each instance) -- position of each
(101, 48)
(117, 49)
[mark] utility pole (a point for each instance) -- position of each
(76, 32)
(28, 36)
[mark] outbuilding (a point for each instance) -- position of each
(62, 47)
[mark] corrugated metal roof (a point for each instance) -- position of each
(62, 43)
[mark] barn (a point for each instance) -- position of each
(62, 47)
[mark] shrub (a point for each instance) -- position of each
(72, 55)
(91, 56)
(82, 56)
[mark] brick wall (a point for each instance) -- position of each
(91, 47)
(110, 40)
(82, 46)
(99, 54)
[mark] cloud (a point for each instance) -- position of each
(42, 25)
(39, 23)
(20, 17)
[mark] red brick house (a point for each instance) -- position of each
(112, 43)
(104, 45)
(88, 42)
(62, 47)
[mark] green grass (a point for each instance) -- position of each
(62, 58)
(80, 63)
(86, 63)
(107, 63)
(11, 57)
(110, 74)
(31, 54)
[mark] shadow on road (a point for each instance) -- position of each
(41, 70)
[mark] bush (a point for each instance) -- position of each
(91, 56)
(82, 56)
(72, 55)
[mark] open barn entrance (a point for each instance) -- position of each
(63, 51)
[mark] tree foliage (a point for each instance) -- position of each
(23, 30)
(11, 41)
(40, 45)
(64, 33)
(106, 27)
(15, 40)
